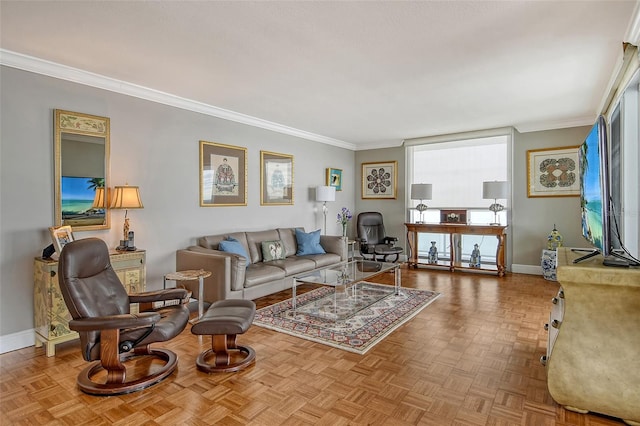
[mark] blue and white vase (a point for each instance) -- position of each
(474, 261)
(548, 263)
(433, 253)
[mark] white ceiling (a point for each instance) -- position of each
(360, 74)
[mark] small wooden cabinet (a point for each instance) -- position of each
(51, 314)
(593, 353)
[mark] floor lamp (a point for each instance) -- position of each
(495, 190)
(421, 191)
(324, 194)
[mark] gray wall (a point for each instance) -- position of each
(531, 218)
(157, 148)
(153, 146)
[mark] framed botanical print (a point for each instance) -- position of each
(379, 180)
(276, 179)
(553, 172)
(61, 235)
(223, 175)
(334, 178)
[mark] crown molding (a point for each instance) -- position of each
(63, 72)
(633, 31)
(552, 125)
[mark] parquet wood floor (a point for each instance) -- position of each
(470, 358)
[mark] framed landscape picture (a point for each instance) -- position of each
(276, 179)
(61, 235)
(553, 172)
(334, 178)
(223, 175)
(379, 180)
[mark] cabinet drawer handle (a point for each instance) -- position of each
(554, 300)
(52, 273)
(546, 326)
(561, 294)
(555, 324)
(543, 360)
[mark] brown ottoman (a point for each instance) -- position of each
(224, 320)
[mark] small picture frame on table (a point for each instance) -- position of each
(334, 178)
(60, 235)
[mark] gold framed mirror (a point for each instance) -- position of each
(81, 164)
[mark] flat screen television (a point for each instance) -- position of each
(595, 199)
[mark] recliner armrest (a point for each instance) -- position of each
(114, 322)
(158, 295)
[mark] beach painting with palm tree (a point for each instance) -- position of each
(77, 194)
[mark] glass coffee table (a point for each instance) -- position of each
(350, 293)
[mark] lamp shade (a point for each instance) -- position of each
(100, 199)
(421, 191)
(126, 197)
(495, 190)
(326, 193)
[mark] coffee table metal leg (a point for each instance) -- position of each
(397, 279)
(293, 299)
(200, 297)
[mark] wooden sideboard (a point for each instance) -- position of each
(593, 354)
(454, 229)
(51, 316)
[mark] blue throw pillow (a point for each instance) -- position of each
(309, 243)
(231, 245)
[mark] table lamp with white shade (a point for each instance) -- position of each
(126, 197)
(421, 191)
(496, 190)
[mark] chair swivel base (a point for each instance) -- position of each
(115, 383)
(223, 349)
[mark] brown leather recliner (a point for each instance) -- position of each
(109, 334)
(373, 242)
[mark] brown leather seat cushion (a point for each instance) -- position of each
(232, 316)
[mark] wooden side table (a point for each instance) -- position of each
(188, 275)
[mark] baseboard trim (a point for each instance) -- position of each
(526, 269)
(19, 340)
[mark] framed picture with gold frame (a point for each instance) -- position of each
(60, 235)
(553, 172)
(223, 175)
(334, 178)
(276, 179)
(380, 180)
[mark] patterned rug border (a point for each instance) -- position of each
(358, 334)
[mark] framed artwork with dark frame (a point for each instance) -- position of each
(334, 178)
(276, 179)
(223, 175)
(380, 180)
(553, 172)
(60, 235)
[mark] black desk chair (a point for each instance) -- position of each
(373, 242)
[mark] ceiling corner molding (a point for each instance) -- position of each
(63, 72)
(380, 145)
(633, 32)
(552, 125)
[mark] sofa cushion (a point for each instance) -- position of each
(308, 243)
(254, 242)
(259, 273)
(272, 250)
(288, 238)
(231, 245)
(295, 264)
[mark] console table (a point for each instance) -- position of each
(51, 316)
(593, 351)
(453, 229)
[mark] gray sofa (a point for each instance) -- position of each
(234, 277)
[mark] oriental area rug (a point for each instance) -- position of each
(354, 333)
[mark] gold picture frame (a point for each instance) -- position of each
(380, 180)
(61, 235)
(334, 178)
(223, 175)
(553, 172)
(276, 179)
